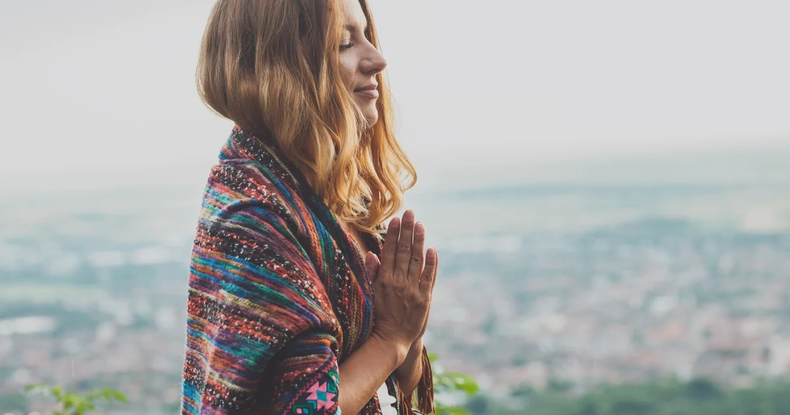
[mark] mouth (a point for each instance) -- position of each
(368, 91)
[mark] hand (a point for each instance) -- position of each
(428, 315)
(372, 263)
(435, 269)
(404, 282)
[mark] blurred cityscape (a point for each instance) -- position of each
(572, 282)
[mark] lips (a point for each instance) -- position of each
(368, 91)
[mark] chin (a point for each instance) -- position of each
(371, 116)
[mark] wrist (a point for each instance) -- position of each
(415, 352)
(397, 350)
(417, 345)
(410, 371)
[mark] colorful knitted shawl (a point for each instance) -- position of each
(278, 294)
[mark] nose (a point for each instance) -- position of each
(373, 62)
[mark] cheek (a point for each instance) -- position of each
(347, 70)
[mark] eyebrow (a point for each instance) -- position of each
(351, 27)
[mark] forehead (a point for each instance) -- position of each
(354, 14)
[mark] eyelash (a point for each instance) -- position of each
(346, 46)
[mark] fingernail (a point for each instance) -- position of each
(419, 229)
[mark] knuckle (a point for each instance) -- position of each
(384, 279)
(404, 246)
(396, 278)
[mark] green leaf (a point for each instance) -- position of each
(454, 410)
(117, 395)
(38, 388)
(459, 382)
(71, 400)
(467, 384)
(109, 395)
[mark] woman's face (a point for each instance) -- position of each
(360, 61)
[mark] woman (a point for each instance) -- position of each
(290, 246)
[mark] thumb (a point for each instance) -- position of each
(372, 265)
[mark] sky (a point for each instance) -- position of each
(94, 85)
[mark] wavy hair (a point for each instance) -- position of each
(272, 67)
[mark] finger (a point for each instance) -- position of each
(430, 294)
(435, 269)
(403, 254)
(417, 256)
(372, 265)
(429, 273)
(387, 260)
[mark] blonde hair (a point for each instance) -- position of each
(272, 67)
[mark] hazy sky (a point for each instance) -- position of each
(97, 83)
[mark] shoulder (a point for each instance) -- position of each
(246, 208)
(253, 170)
(248, 220)
(243, 185)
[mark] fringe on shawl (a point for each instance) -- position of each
(424, 391)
